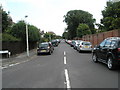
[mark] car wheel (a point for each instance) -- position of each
(80, 51)
(94, 58)
(50, 53)
(110, 63)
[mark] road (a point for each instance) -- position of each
(65, 68)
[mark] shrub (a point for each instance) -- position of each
(8, 37)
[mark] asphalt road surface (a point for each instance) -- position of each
(65, 68)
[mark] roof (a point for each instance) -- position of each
(113, 38)
(44, 43)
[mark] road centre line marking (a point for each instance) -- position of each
(65, 61)
(67, 79)
(64, 53)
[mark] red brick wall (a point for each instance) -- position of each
(95, 39)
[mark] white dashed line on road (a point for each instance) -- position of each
(65, 60)
(67, 80)
(64, 53)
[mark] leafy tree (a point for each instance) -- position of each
(34, 34)
(65, 35)
(83, 29)
(6, 19)
(58, 37)
(75, 17)
(111, 16)
(19, 31)
(49, 36)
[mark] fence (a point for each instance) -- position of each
(17, 47)
(95, 39)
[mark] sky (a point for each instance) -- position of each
(48, 15)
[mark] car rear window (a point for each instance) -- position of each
(43, 45)
(86, 43)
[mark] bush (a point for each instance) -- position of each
(8, 37)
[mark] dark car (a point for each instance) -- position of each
(45, 47)
(55, 43)
(108, 52)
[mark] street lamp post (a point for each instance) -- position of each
(27, 38)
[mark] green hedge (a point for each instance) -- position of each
(8, 37)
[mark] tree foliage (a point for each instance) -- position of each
(75, 17)
(8, 37)
(19, 31)
(65, 35)
(34, 34)
(111, 16)
(6, 19)
(49, 36)
(83, 29)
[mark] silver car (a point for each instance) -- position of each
(77, 43)
(84, 46)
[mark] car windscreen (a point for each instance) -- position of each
(43, 45)
(53, 41)
(86, 43)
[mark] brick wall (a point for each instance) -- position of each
(95, 39)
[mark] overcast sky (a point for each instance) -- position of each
(48, 14)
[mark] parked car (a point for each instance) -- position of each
(84, 46)
(76, 44)
(68, 41)
(55, 43)
(58, 40)
(45, 47)
(72, 43)
(108, 52)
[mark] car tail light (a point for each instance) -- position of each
(80, 46)
(118, 49)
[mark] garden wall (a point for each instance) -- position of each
(17, 47)
(95, 39)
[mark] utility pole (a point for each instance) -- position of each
(27, 38)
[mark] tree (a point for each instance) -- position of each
(65, 35)
(75, 17)
(111, 16)
(83, 29)
(34, 33)
(49, 36)
(6, 19)
(19, 31)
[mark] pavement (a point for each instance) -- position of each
(16, 59)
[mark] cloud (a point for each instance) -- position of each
(4, 4)
(48, 14)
